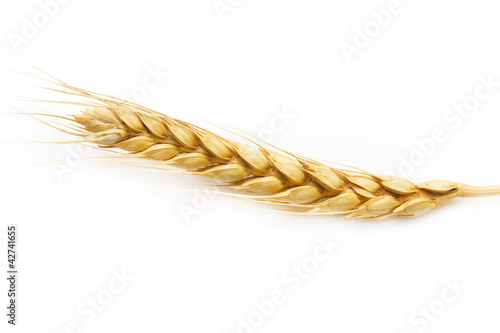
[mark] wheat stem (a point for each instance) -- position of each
(468, 191)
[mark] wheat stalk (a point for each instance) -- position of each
(302, 184)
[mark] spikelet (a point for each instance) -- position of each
(262, 185)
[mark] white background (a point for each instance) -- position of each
(238, 68)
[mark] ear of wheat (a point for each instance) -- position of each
(301, 184)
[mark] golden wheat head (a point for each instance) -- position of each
(301, 184)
